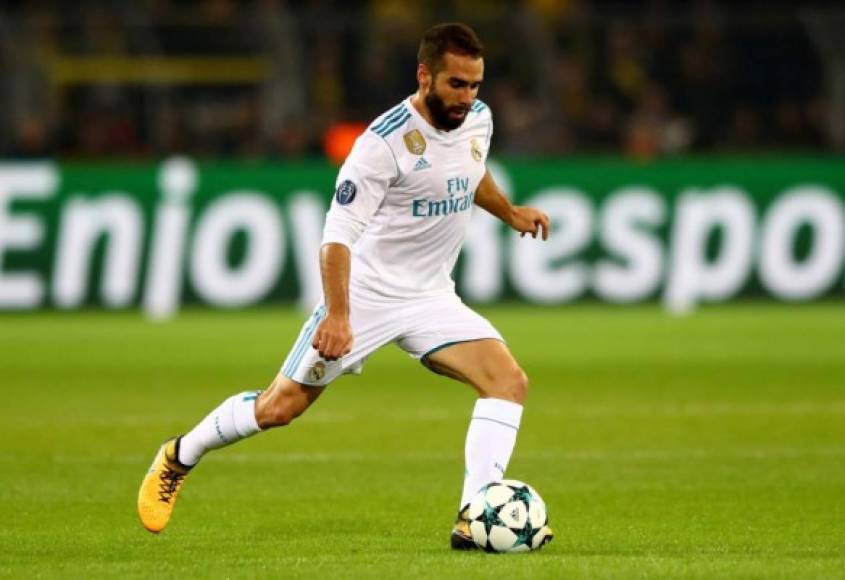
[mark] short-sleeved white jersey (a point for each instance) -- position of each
(404, 198)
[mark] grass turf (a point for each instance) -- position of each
(698, 447)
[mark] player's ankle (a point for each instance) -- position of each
(180, 457)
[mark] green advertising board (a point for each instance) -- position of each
(683, 232)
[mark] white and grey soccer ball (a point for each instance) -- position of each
(508, 516)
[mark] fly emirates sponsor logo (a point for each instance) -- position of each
(460, 199)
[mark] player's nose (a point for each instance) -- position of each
(464, 95)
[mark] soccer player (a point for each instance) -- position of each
(401, 207)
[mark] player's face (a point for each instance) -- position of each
(453, 89)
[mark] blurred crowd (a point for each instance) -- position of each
(644, 78)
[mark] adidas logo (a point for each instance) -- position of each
(422, 164)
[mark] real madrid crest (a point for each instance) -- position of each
(317, 372)
(415, 142)
(475, 150)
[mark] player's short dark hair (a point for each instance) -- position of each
(451, 37)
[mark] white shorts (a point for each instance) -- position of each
(420, 327)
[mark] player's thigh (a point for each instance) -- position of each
(486, 364)
(283, 401)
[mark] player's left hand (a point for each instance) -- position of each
(529, 220)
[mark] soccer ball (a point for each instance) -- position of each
(508, 516)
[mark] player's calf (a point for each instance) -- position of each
(283, 402)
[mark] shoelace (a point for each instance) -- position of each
(169, 484)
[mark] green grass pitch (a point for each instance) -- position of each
(706, 446)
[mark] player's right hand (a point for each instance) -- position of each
(333, 338)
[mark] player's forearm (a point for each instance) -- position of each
(334, 267)
(489, 197)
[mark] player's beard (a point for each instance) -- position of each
(440, 113)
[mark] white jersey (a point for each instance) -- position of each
(404, 198)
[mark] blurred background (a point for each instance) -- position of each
(267, 79)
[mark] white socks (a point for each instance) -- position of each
(232, 421)
(490, 440)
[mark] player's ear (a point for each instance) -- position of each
(423, 77)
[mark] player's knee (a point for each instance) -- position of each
(510, 385)
(517, 385)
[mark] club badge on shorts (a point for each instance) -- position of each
(475, 150)
(415, 142)
(317, 372)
